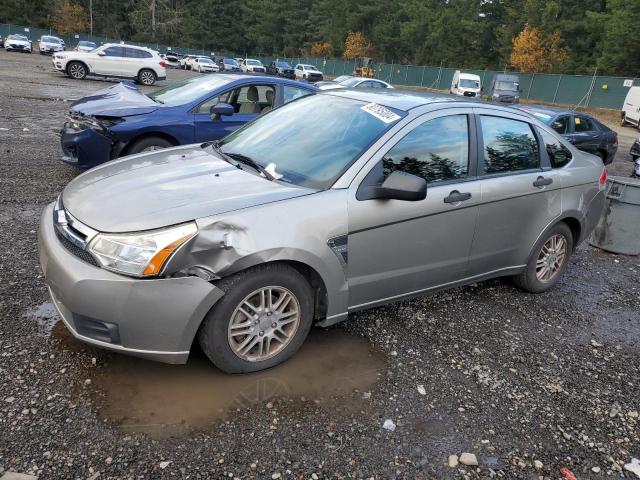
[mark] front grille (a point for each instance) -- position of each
(75, 250)
(469, 94)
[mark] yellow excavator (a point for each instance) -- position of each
(365, 67)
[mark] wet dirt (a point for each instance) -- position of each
(162, 401)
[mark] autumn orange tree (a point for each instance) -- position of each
(356, 45)
(70, 18)
(318, 49)
(533, 51)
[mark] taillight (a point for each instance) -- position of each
(603, 177)
(162, 64)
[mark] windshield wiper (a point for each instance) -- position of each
(238, 157)
(252, 163)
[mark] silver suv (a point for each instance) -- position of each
(374, 197)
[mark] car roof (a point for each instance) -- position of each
(127, 45)
(395, 98)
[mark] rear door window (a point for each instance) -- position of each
(509, 145)
(582, 124)
(559, 155)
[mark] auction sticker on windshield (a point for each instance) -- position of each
(380, 112)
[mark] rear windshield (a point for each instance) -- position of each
(51, 39)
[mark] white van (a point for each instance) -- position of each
(465, 84)
(631, 107)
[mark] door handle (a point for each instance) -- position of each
(457, 197)
(542, 182)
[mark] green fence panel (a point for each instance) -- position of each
(610, 92)
(573, 89)
(544, 87)
(526, 81)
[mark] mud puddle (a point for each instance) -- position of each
(162, 401)
(45, 316)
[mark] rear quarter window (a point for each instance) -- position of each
(559, 155)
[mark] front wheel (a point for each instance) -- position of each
(147, 77)
(261, 321)
(547, 261)
(148, 144)
(77, 70)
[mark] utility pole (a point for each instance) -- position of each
(91, 18)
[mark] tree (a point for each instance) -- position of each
(535, 52)
(356, 45)
(70, 18)
(620, 47)
(318, 49)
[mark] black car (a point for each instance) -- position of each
(635, 150)
(281, 69)
(1, 42)
(584, 131)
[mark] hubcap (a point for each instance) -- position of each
(551, 258)
(264, 323)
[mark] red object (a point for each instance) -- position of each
(567, 474)
(162, 64)
(603, 176)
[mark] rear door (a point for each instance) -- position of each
(520, 193)
(398, 247)
(585, 135)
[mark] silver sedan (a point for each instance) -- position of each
(245, 243)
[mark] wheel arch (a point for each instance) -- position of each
(170, 138)
(82, 62)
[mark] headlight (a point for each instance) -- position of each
(60, 57)
(141, 254)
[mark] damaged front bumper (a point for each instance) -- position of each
(85, 146)
(155, 319)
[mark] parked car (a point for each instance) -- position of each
(354, 82)
(185, 61)
(204, 65)
(172, 60)
(229, 65)
(18, 43)
(1, 42)
(121, 120)
(254, 66)
(307, 72)
(113, 60)
(504, 88)
(635, 150)
(377, 197)
(281, 68)
(49, 44)
(85, 46)
(465, 84)
(631, 108)
(582, 130)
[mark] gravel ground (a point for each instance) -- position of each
(529, 384)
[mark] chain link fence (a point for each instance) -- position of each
(575, 90)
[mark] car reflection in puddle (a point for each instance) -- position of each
(163, 401)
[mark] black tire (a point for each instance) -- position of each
(77, 70)
(149, 143)
(528, 279)
(147, 77)
(623, 120)
(213, 334)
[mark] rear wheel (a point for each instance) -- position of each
(548, 260)
(261, 321)
(149, 144)
(147, 77)
(623, 120)
(76, 70)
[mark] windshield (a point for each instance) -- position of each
(229, 61)
(313, 153)
(468, 83)
(204, 60)
(507, 86)
(51, 39)
(309, 67)
(187, 91)
(87, 44)
(283, 65)
(350, 82)
(18, 37)
(342, 78)
(253, 62)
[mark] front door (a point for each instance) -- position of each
(111, 63)
(396, 248)
(248, 101)
(521, 194)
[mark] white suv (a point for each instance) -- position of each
(251, 65)
(113, 60)
(307, 72)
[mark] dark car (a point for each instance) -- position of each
(1, 42)
(229, 65)
(635, 149)
(584, 131)
(281, 69)
(121, 120)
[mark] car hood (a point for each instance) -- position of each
(121, 100)
(167, 187)
(18, 42)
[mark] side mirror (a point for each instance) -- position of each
(220, 109)
(398, 186)
(102, 54)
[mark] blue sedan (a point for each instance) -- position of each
(121, 120)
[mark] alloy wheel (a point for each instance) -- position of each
(264, 323)
(551, 258)
(147, 78)
(76, 71)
